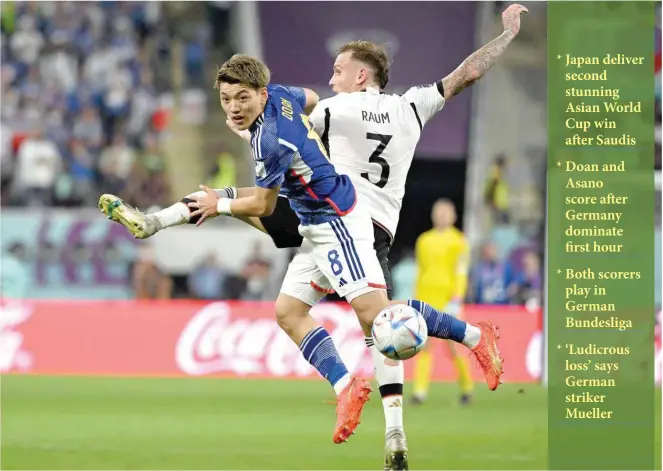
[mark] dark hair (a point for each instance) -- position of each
(245, 70)
(371, 54)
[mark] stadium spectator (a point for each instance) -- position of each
(118, 159)
(208, 279)
(37, 166)
(79, 89)
(496, 192)
(88, 129)
(149, 281)
(489, 278)
(256, 274)
(26, 42)
(77, 186)
(147, 184)
(527, 282)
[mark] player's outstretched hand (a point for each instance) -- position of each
(511, 18)
(205, 206)
(246, 134)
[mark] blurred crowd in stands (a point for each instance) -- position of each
(505, 270)
(84, 99)
(81, 110)
(82, 113)
(209, 279)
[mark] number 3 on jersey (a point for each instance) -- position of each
(375, 158)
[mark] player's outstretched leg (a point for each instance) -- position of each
(480, 339)
(143, 225)
(139, 224)
(318, 348)
(390, 375)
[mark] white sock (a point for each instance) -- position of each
(342, 383)
(472, 336)
(393, 411)
(179, 213)
(174, 215)
(388, 372)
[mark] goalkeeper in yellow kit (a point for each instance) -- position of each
(442, 256)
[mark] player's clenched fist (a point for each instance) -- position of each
(511, 18)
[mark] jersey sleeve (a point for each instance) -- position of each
(426, 100)
(272, 159)
(318, 116)
(297, 92)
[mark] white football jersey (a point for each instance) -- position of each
(371, 137)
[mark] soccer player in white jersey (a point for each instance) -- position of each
(371, 137)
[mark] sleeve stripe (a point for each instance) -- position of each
(288, 145)
(414, 108)
(325, 134)
(258, 142)
(440, 88)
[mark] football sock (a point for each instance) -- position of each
(174, 215)
(423, 369)
(319, 350)
(444, 326)
(464, 377)
(389, 375)
(180, 213)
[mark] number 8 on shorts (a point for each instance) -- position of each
(335, 262)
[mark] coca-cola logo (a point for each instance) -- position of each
(213, 342)
(12, 354)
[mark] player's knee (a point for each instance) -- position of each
(368, 306)
(290, 315)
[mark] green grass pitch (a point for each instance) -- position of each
(112, 423)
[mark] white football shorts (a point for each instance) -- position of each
(335, 256)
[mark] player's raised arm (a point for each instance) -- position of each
(260, 204)
(476, 65)
(271, 166)
(312, 100)
(207, 203)
(272, 158)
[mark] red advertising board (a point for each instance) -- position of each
(191, 338)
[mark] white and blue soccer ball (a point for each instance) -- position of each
(399, 332)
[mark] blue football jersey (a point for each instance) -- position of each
(287, 152)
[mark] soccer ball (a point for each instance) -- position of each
(399, 332)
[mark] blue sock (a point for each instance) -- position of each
(319, 350)
(440, 325)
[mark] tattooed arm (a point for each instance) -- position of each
(476, 65)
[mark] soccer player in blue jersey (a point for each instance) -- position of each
(338, 233)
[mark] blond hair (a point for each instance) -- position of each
(372, 55)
